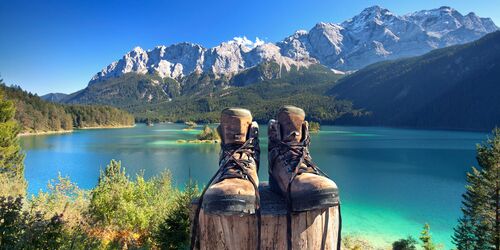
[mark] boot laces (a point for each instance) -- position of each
(296, 156)
(231, 167)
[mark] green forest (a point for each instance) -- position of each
(36, 115)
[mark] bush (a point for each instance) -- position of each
(208, 134)
(405, 244)
(62, 197)
(12, 185)
(127, 211)
(174, 232)
(22, 230)
(350, 242)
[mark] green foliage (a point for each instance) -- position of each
(62, 197)
(314, 126)
(426, 238)
(350, 242)
(118, 213)
(22, 230)
(174, 233)
(11, 157)
(405, 244)
(12, 185)
(263, 99)
(479, 226)
(208, 134)
(85, 116)
(131, 208)
(37, 115)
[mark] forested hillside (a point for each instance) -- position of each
(201, 97)
(263, 99)
(36, 115)
(452, 88)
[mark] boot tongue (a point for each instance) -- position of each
(291, 119)
(234, 124)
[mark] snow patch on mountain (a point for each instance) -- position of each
(374, 35)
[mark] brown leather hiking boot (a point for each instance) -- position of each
(234, 188)
(291, 170)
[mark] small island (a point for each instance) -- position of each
(190, 125)
(314, 127)
(206, 136)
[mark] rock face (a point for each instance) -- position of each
(180, 60)
(377, 34)
(374, 35)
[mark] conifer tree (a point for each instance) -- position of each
(11, 156)
(479, 228)
(426, 238)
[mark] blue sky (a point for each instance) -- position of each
(57, 46)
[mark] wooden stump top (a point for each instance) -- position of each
(315, 229)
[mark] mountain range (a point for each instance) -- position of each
(374, 35)
(187, 81)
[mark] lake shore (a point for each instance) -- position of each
(107, 127)
(196, 141)
(45, 132)
(71, 131)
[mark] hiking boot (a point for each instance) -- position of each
(234, 188)
(291, 170)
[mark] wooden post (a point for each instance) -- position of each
(315, 229)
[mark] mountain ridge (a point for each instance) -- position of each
(345, 46)
(450, 88)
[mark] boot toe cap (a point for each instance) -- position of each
(230, 196)
(310, 191)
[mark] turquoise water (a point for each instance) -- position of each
(392, 181)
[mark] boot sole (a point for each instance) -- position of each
(309, 200)
(229, 204)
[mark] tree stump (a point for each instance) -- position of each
(315, 229)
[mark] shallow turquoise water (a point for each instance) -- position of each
(392, 181)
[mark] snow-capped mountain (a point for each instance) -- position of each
(374, 35)
(180, 60)
(378, 34)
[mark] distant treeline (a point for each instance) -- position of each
(36, 115)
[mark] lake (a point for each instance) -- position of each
(391, 181)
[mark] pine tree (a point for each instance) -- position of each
(463, 236)
(426, 238)
(11, 157)
(478, 228)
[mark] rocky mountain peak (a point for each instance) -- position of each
(373, 35)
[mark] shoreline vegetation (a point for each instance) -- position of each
(196, 141)
(73, 130)
(38, 117)
(314, 127)
(45, 133)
